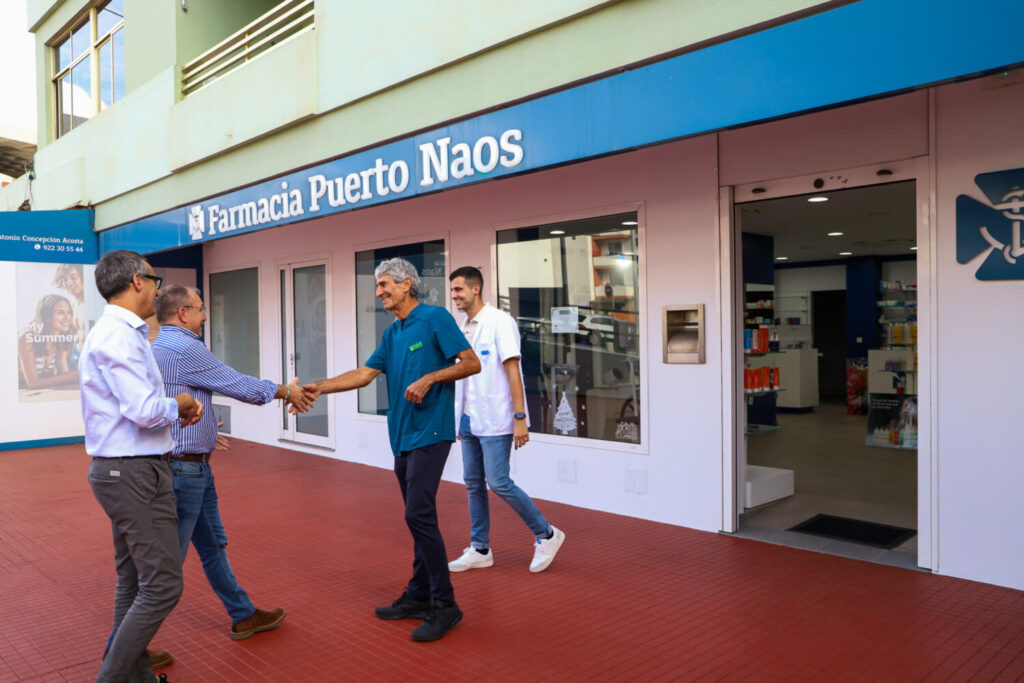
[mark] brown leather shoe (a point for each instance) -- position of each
(160, 658)
(261, 620)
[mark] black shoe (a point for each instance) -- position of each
(437, 623)
(405, 607)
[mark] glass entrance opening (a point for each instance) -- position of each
(830, 374)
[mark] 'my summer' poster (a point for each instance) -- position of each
(57, 305)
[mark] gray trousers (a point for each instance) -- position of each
(138, 496)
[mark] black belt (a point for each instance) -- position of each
(162, 456)
(192, 457)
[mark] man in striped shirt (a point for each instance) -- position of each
(185, 361)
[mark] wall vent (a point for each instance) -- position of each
(567, 470)
(636, 481)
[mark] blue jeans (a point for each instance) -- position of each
(485, 463)
(199, 521)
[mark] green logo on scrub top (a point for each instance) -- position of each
(417, 345)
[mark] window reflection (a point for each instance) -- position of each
(235, 319)
(573, 288)
(78, 96)
(372, 319)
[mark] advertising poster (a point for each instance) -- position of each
(57, 304)
(892, 420)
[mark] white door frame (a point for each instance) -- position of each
(734, 451)
(287, 315)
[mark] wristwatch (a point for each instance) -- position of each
(520, 416)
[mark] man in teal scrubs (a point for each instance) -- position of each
(417, 354)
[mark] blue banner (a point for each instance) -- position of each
(48, 236)
(856, 51)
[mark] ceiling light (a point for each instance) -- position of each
(558, 232)
(629, 222)
(817, 199)
(846, 253)
(781, 258)
(913, 249)
(834, 234)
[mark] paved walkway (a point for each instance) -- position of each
(625, 599)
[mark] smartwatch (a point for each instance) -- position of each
(520, 416)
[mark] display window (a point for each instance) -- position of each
(573, 287)
(371, 318)
(235, 319)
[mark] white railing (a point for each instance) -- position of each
(287, 20)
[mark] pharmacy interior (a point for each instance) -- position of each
(829, 309)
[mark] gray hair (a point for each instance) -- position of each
(173, 297)
(399, 270)
(116, 270)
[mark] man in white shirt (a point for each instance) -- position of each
(128, 434)
(491, 419)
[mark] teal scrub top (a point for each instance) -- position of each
(427, 340)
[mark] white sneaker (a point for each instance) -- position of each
(545, 550)
(471, 559)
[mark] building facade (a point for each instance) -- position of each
(603, 164)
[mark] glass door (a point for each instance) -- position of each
(304, 345)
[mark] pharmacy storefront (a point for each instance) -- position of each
(644, 229)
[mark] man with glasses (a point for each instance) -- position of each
(188, 365)
(128, 420)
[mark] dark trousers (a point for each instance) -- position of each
(138, 496)
(419, 475)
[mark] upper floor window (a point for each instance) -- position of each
(88, 65)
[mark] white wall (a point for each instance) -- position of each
(678, 217)
(904, 271)
(980, 329)
(805, 280)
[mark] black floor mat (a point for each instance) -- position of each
(855, 531)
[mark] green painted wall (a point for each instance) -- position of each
(207, 22)
(375, 71)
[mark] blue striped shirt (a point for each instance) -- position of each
(189, 367)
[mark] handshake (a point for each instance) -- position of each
(298, 397)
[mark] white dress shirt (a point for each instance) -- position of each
(123, 403)
(486, 396)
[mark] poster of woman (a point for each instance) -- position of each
(54, 303)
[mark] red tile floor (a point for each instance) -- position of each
(625, 600)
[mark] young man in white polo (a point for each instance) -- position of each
(491, 419)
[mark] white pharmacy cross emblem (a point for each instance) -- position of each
(196, 222)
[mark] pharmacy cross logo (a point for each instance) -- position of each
(196, 223)
(993, 230)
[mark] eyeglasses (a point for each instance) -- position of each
(155, 278)
(202, 309)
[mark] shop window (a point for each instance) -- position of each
(234, 311)
(88, 65)
(372, 319)
(573, 287)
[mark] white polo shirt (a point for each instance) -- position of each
(486, 396)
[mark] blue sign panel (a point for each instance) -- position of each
(993, 230)
(855, 51)
(48, 236)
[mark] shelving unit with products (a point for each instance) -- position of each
(897, 315)
(793, 309)
(758, 309)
